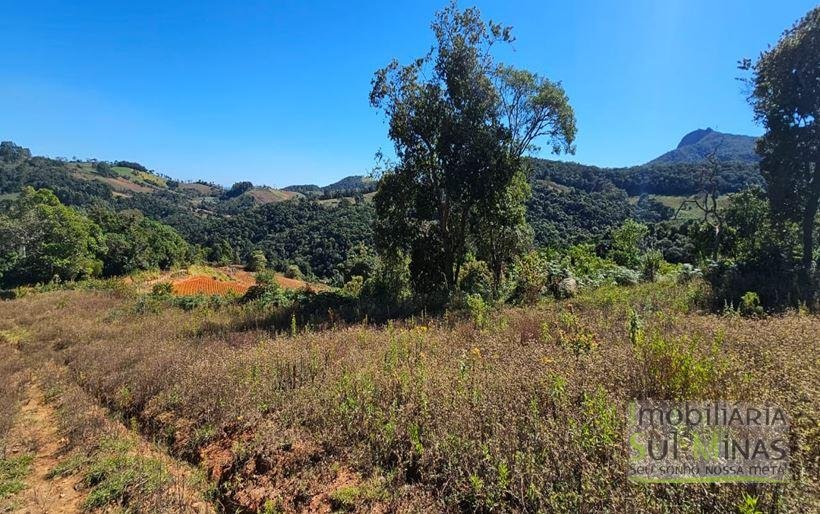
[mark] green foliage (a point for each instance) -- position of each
(476, 279)
(478, 309)
(652, 179)
(761, 255)
(11, 152)
(237, 189)
(750, 304)
(562, 218)
(460, 125)
(162, 289)
(12, 472)
(651, 263)
(530, 272)
(293, 271)
(115, 475)
(361, 261)
(627, 243)
(785, 97)
(257, 261)
(749, 505)
(673, 368)
(43, 240)
(267, 291)
(354, 286)
(688, 273)
(135, 242)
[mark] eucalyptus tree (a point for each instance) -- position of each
(461, 123)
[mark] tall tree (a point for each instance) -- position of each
(460, 124)
(786, 100)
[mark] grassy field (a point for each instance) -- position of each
(689, 211)
(521, 410)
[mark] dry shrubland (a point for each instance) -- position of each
(522, 411)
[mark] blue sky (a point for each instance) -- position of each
(277, 92)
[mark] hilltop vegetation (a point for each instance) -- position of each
(697, 145)
(571, 203)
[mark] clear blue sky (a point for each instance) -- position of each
(277, 92)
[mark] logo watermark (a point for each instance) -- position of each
(700, 442)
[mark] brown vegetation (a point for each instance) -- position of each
(526, 413)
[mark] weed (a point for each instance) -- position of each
(117, 476)
(750, 305)
(12, 472)
(68, 466)
(479, 311)
(748, 505)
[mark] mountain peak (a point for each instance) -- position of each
(695, 136)
(699, 144)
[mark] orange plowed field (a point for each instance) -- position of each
(208, 286)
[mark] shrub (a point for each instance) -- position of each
(623, 276)
(671, 368)
(293, 271)
(531, 274)
(267, 291)
(162, 289)
(750, 304)
(688, 273)
(650, 265)
(257, 261)
(354, 286)
(476, 279)
(478, 310)
(626, 243)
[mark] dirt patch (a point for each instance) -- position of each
(35, 432)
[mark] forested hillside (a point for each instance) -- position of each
(570, 203)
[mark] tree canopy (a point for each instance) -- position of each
(786, 100)
(460, 124)
(42, 239)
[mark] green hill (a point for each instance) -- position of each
(697, 145)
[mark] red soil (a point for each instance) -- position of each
(207, 285)
(240, 282)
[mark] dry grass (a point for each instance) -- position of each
(526, 414)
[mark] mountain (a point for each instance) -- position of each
(347, 186)
(698, 144)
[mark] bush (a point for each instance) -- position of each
(650, 265)
(688, 273)
(750, 305)
(354, 286)
(267, 291)
(476, 279)
(773, 277)
(530, 272)
(257, 261)
(672, 368)
(623, 276)
(162, 289)
(293, 271)
(626, 243)
(478, 310)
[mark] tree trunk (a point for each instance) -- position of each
(808, 218)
